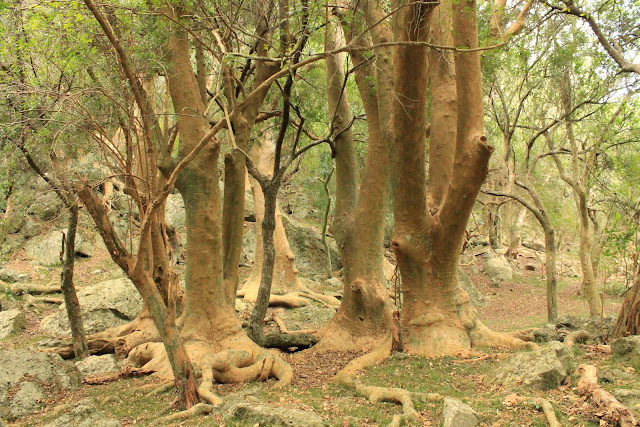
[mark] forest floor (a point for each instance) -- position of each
(513, 305)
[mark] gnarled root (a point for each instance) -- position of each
(194, 411)
(119, 340)
(616, 412)
(543, 404)
(28, 288)
(403, 397)
(485, 337)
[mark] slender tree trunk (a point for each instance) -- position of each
(256, 321)
(233, 220)
(71, 303)
(550, 269)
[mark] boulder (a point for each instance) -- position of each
(11, 276)
(594, 326)
(498, 269)
(11, 321)
(84, 414)
(268, 414)
(46, 205)
(25, 374)
(546, 334)
(544, 368)
(27, 400)
(628, 349)
(45, 250)
(628, 397)
(98, 365)
(104, 305)
(458, 414)
(311, 316)
(306, 244)
(174, 211)
(477, 298)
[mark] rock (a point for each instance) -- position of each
(479, 241)
(334, 283)
(11, 276)
(311, 316)
(628, 397)
(614, 375)
(45, 371)
(268, 414)
(45, 250)
(458, 414)
(536, 245)
(11, 321)
(477, 299)
(27, 400)
(104, 305)
(546, 334)
(97, 365)
(306, 244)
(628, 349)
(174, 211)
(544, 368)
(84, 414)
(498, 269)
(594, 326)
(46, 206)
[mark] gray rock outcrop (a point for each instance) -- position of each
(498, 269)
(544, 368)
(268, 414)
(306, 244)
(45, 249)
(98, 365)
(26, 375)
(11, 321)
(84, 414)
(104, 305)
(628, 349)
(458, 414)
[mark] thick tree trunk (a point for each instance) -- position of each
(79, 340)
(629, 318)
(364, 317)
(437, 318)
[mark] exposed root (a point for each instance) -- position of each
(616, 412)
(539, 402)
(396, 395)
(477, 359)
(485, 337)
(194, 411)
(326, 300)
(128, 372)
(577, 337)
(283, 326)
(524, 334)
(28, 288)
(119, 340)
(32, 301)
(299, 341)
(403, 397)
(347, 374)
(290, 300)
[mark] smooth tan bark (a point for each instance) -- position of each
(364, 317)
(437, 318)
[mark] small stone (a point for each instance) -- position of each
(458, 414)
(11, 321)
(11, 276)
(334, 282)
